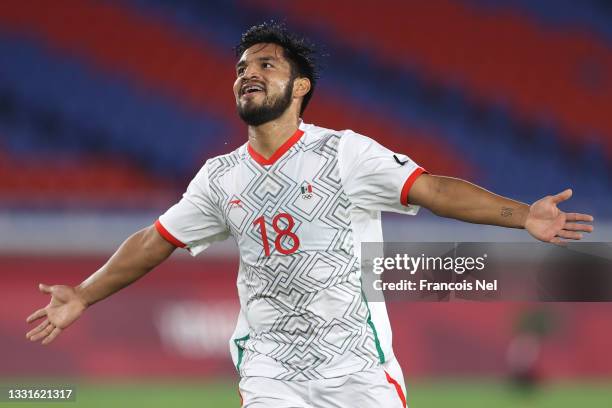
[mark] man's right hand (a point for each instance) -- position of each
(65, 307)
(140, 253)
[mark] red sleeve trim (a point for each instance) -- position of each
(168, 236)
(408, 184)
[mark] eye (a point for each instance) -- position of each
(267, 65)
(240, 71)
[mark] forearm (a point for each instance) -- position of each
(138, 255)
(459, 199)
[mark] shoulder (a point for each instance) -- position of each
(230, 159)
(219, 165)
(335, 139)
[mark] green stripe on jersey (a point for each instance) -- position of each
(381, 354)
(240, 350)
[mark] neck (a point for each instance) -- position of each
(267, 138)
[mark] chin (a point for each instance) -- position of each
(251, 104)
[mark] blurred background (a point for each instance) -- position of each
(108, 109)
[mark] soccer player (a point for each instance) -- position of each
(299, 199)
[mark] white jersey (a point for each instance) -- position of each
(299, 219)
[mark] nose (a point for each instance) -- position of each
(251, 72)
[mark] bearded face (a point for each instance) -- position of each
(264, 84)
(257, 106)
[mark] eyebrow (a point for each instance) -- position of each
(243, 62)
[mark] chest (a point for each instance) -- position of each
(296, 204)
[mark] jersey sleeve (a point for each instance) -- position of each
(195, 221)
(374, 177)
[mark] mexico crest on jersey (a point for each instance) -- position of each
(306, 190)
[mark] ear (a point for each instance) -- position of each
(301, 86)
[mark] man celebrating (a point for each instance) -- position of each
(299, 200)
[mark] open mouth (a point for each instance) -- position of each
(251, 89)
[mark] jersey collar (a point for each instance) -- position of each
(278, 153)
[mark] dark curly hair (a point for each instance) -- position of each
(299, 51)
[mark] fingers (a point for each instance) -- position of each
(578, 217)
(56, 331)
(37, 329)
(558, 241)
(573, 226)
(46, 330)
(562, 196)
(36, 315)
(43, 333)
(44, 288)
(569, 234)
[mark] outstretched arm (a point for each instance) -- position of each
(459, 199)
(139, 254)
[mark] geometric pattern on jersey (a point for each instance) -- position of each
(307, 314)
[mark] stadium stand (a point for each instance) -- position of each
(124, 100)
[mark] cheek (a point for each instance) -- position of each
(277, 87)
(235, 88)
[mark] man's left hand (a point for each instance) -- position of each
(548, 223)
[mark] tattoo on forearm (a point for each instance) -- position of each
(506, 212)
